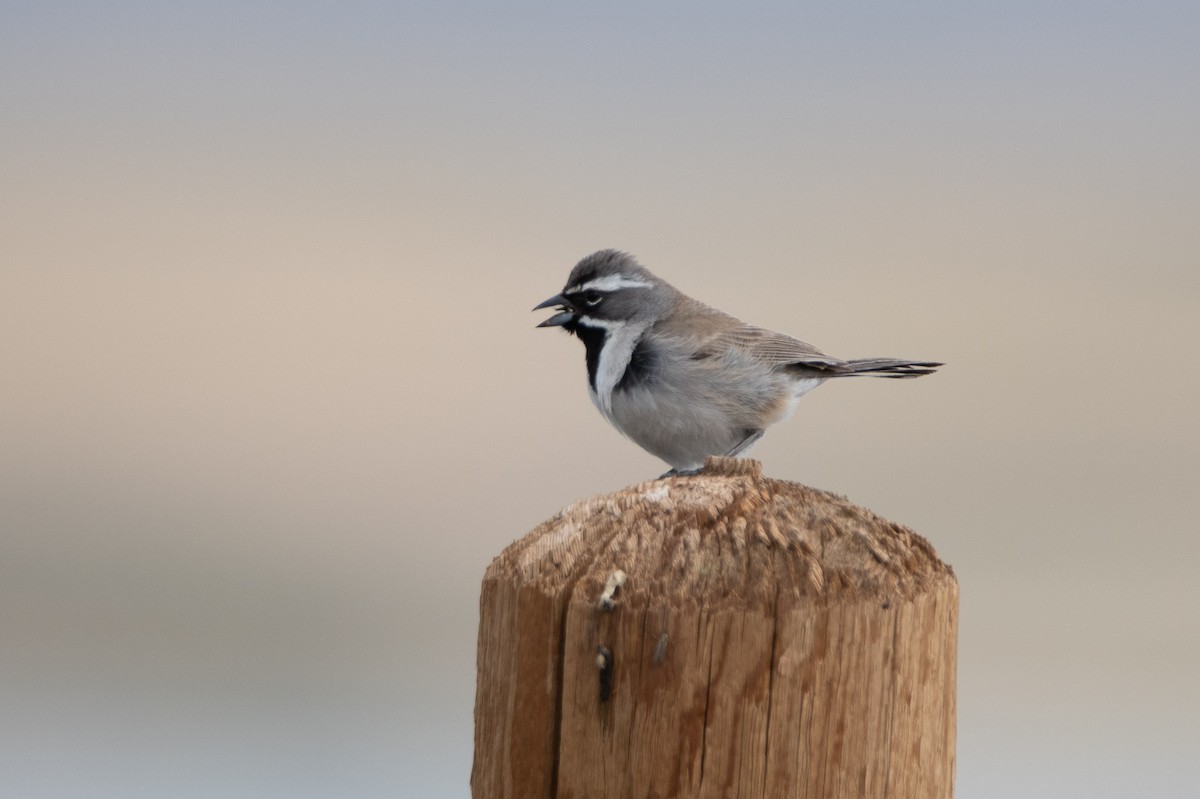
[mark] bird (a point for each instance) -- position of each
(684, 380)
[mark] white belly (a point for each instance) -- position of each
(801, 388)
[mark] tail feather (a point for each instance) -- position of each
(888, 367)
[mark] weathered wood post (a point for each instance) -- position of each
(716, 636)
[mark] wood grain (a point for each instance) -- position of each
(725, 635)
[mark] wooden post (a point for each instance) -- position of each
(725, 635)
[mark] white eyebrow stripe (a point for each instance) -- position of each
(608, 283)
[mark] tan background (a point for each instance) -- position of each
(272, 396)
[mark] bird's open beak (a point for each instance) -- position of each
(566, 311)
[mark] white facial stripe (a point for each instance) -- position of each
(608, 283)
(603, 324)
(619, 343)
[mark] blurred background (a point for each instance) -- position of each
(272, 397)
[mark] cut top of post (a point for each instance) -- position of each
(727, 535)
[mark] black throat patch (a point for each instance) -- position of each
(593, 342)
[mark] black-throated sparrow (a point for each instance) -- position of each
(684, 380)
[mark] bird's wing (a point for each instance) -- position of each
(769, 347)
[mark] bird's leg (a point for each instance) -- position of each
(745, 444)
(681, 473)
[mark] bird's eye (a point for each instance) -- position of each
(592, 298)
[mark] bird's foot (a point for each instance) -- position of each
(682, 473)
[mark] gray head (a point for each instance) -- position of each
(607, 289)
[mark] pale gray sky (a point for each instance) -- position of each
(273, 398)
